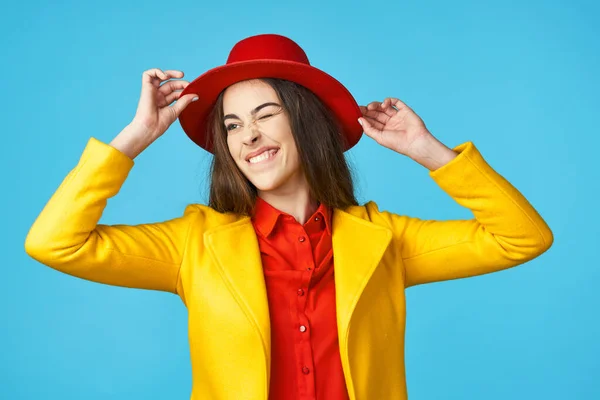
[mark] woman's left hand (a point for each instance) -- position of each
(395, 125)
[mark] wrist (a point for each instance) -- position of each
(131, 141)
(431, 153)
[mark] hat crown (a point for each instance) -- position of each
(267, 47)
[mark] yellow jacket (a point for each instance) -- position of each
(212, 261)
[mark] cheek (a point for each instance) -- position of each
(292, 149)
(233, 147)
(234, 150)
(282, 133)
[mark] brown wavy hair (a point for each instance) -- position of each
(320, 147)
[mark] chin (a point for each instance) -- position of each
(266, 181)
(270, 181)
(266, 186)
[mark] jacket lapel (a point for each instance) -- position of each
(358, 246)
(235, 249)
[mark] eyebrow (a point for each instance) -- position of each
(253, 112)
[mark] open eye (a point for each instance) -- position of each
(231, 127)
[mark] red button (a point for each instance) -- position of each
(301, 238)
(300, 292)
(305, 370)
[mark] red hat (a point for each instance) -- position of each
(267, 56)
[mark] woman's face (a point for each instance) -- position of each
(260, 138)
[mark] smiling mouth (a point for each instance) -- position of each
(264, 156)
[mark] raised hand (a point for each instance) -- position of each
(396, 126)
(154, 113)
(393, 124)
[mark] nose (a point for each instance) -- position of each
(251, 134)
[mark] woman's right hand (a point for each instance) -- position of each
(154, 114)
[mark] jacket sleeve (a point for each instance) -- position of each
(506, 231)
(67, 237)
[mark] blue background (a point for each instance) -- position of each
(518, 78)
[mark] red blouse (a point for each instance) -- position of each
(298, 266)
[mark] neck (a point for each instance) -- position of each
(298, 203)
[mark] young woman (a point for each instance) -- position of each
(294, 290)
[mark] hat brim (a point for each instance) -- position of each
(209, 85)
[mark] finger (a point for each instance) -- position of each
(174, 95)
(370, 130)
(170, 98)
(398, 104)
(374, 123)
(154, 77)
(378, 106)
(387, 108)
(150, 82)
(181, 104)
(171, 86)
(377, 115)
(173, 73)
(374, 105)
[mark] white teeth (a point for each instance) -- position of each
(263, 156)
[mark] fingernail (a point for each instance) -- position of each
(360, 121)
(195, 98)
